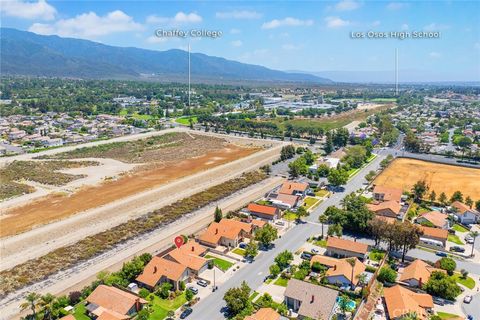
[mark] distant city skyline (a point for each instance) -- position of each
(307, 36)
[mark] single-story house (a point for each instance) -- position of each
(382, 193)
(417, 273)
(160, 270)
(263, 212)
(284, 201)
(264, 314)
(401, 301)
(340, 270)
(227, 232)
(434, 219)
(342, 248)
(464, 213)
(390, 208)
(112, 303)
(431, 236)
(310, 300)
(294, 188)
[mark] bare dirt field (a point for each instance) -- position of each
(166, 158)
(403, 173)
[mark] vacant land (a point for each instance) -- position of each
(404, 173)
(44, 172)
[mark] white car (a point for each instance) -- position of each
(316, 251)
(467, 299)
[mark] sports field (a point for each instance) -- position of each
(403, 173)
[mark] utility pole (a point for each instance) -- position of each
(189, 75)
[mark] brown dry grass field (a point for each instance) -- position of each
(403, 173)
(190, 154)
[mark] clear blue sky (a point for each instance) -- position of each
(285, 35)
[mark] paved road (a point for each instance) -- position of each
(253, 274)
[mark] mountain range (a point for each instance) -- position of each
(30, 54)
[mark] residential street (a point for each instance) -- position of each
(253, 274)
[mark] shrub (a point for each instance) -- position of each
(74, 297)
(387, 274)
(143, 293)
(447, 264)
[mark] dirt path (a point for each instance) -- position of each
(41, 240)
(81, 275)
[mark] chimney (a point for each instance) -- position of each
(193, 248)
(334, 267)
(137, 304)
(313, 299)
(216, 231)
(155, 269)
(420, 282)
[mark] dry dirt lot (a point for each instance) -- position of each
(166, 158)
(403, 173)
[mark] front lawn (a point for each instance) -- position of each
(455, 239)
(310, 202)
(459, 228)
(321, 193)
(264, 202)
(446, 316)
(321, 243)
(160, 307)
(468, 282)
(290, 216)
(239, 251)
(253, 296)
(281, 282)
(185, 120)
(221, 264)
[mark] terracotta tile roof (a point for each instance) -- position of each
(438, 219)
(346, 245)
(434, 232)
(338, 267)
(290, 187)
(389, 193)
(390, 204)
(418, 270)
(386, 219)
(190, 261)
(113, 299)
(158, 267)
(287, 198)
(401, 301)
(317, 302)
(258, 208)
(192, 247)
(258, 223)
(264, 314)
(227, 228)
(68, 317)
(109, 315)
(462, 208)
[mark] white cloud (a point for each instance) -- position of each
(236, 43)
(376, 23)
(235, 31)
(291, 47)
(89, 25)
(28, 10)
(404, 27)
(347, 5)
(435, 27)
(179, 18)
(336, 22)
(397, 5)
(289, 21)
(434, 55)
(238, 14)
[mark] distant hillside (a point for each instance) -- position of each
(26, 53)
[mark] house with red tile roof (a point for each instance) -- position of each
(434, 219)
(107, 302)
(401, 301)
(284, 201)
(264, 314)
(417, 273)
(339, 271)
(382, 193)
(431, 236)
(294, 188)
(343, 248)
(389, 208)
(263, 212)
(464, 213)
(227, 233)
(160, 270)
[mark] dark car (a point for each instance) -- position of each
(306, 256)
(441, 254)
(193, 289)
(186, 313)
(457, 249)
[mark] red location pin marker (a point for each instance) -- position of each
(178, 241)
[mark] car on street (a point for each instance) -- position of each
(467, 299)
(457, 249)
(186, 313)
(441, 254)
(202, 283)
(193, 289)
(306, 256)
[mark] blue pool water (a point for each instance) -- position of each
(351, 304)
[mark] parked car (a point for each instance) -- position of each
(451, 231)
(186, 313)
(280, 223)
(469, 240)
(242, 245)
(441, 254)
(469, 317)
(193, 289)
(306, 256)
(316, 251)
(438, 301)
(202, 283)
(467, 299)
(457, 249)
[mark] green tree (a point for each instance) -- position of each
(237, 299)
(477, 205)
(474, 235)
(218, 215)
(419, 189)
(352, 262)
(31, 300)
(328, 143)
(323, 219)
(188, 295)
(457, 196)
(274, 270)
(335, 230)
(443, 198)
(164, 290)
(370, 176)
(283, 259)
(447, 264)
(46, 304)
(266, 235)
(469, 201)
(387, 274)
(302, 212)
(356, 156)
(433, 196)
(337, 177)
(441, 285)
(252, 249)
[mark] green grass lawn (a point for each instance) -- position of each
(290, 216)
(264, 202)
(459, 228)
(185, 120)
(376, 255)
(80, 312)
(281, 282)
(160, 307)
(321, 243)
(223, 265)
(309, 202)
(446, 316)
(468, 282)
(455, 239)
(239, 251)
(253, 296)
(321, 193)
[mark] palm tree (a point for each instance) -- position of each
(352, 262)
(31, 302)
(410, 316)
(322, 219)
(474, 235)
(46, 303)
